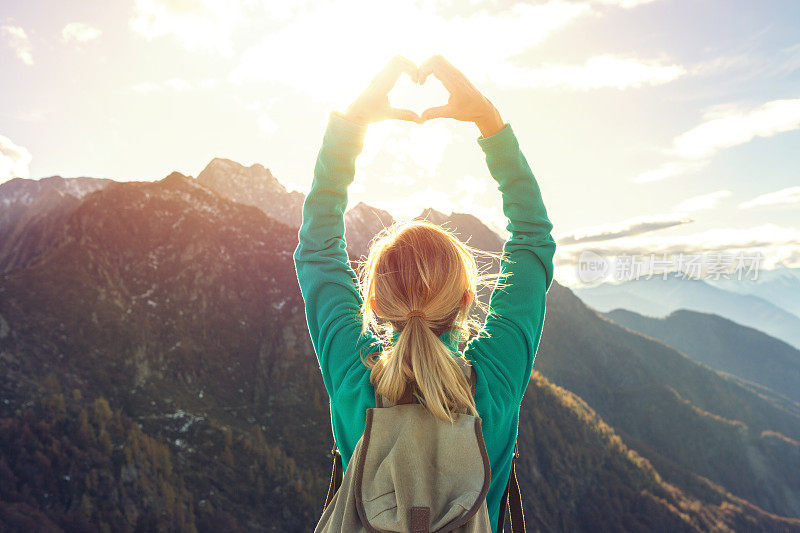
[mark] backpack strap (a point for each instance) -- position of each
(473, 380)
(336, 470)
(336, 475)
(512, 498)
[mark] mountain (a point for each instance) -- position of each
(22, 241)
(31, 210)
(179, 309)
(578, 475)
(684, 417)
(467, 227)
(723, 345)
(657, 297)
(362, 223)
(780, 286)
(156, 372)
(254, 185)
(23, 191)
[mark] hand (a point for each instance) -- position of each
(466, 103)
(373, 104)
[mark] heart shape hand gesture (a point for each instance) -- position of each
(466, 103)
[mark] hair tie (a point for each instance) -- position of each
(414, 313)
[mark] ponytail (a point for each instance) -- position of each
(421, 358)
(418, 265)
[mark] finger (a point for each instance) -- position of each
(442, 69)
(442, 111)
(404, 114)
(386, 79)
(425, 69)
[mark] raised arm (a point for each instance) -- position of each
(327, 282)
(504, 349)
(507, 345)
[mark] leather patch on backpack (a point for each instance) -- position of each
(420, 519)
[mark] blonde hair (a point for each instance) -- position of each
(419, 266)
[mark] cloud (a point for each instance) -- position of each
(178, 84)
(345, 26)
(732, 127)
(604, 71)
(14, 160)
(768, 236)
(470, 186)
(147, 87)
(774, 244)
(624, 3)
(203, 25)
(79, 32)
(397, 179)
(266, 124)
(725, 126)
(174, 84)
(668, 170)
(790, 195)
(626, 228)
(703, 201)
(260, 110)
(17, 39)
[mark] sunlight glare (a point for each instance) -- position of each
(408, 95)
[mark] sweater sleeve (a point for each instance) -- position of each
(506, 346)
(327, 282)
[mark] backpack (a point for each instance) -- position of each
(403, 475)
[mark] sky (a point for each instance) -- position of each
(655, 128)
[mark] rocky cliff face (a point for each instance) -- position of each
(31, 211)
(254, 185)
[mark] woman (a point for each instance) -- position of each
(422, 281)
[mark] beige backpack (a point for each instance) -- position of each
(411, 471)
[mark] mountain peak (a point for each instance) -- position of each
(432, 215)
(175, 178)
(254, 185)
(226, 167)
(225, 175)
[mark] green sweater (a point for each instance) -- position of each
(502, 353)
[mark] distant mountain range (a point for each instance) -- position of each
(685, 418)
(156, 373)
(780, 286)
(723, 345)
(658, 297)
